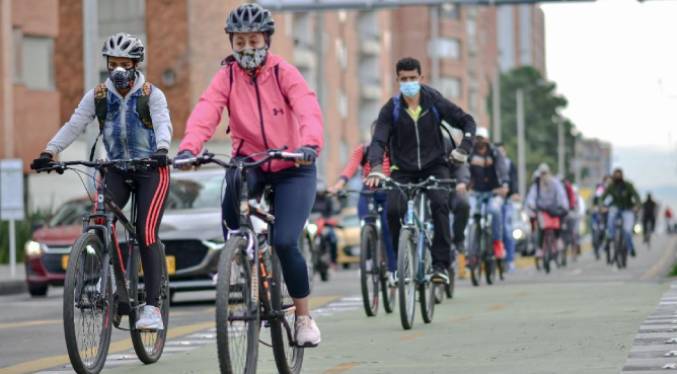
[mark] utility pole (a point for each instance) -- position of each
(521, 146)
(90, 49)
(496, 104)
(560, 147)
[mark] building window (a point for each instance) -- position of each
(450, 87)
(450, 11)
(445, 48)
(37, 62)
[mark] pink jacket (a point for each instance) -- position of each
(260, 119)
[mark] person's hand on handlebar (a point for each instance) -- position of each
(375, 178)
(45, 160)
(160, 156)
(183, 155)
(309, 155)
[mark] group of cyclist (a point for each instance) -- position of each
(418, 134)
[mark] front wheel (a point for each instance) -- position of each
(427, 290)
(406, 277)
(369, 269)
(87, 305)
(149, 345)
(237, 312)
(449, 288)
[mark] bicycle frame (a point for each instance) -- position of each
(482, 218)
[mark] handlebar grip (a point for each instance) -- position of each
(185, 161)
(291, 155)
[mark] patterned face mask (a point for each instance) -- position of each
(122, 78)
(250, 58)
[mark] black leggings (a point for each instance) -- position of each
(151, 192)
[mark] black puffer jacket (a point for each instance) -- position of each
(418, 145)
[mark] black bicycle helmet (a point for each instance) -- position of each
(250, 18)
(123, 45)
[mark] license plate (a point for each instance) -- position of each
(64, 262)
(171, 264)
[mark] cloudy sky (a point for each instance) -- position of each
(616, 62)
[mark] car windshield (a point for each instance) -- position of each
(195, 192)
(70, 213)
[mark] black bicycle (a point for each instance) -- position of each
(414, 262)
(620, 245)
(103, 279)
(481, 259)
(250, 290)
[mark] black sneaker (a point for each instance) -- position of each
(440, 275)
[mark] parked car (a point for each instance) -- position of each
(190, 230)
(348, 238)
(46, 254)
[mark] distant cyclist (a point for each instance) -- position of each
(508, 209)
(546, 194)
(649, 212)
(624, 202)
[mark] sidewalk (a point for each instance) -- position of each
(9, 285)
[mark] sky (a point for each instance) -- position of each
(616, 62)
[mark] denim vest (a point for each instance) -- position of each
(124, 134)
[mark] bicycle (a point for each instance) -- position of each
(481, 257)
(102, 283)
(620, 248)
(598, 232)
(373, 259)
(250, 290)
(414, 264)
(548, 225)
(309, 250)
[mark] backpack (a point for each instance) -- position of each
(571, 196)
(229, 61)
(101, 109)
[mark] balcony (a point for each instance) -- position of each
(304, 58)
(370, 47)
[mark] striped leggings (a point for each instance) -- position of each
(151, 192)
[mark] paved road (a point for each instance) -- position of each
(582, 319)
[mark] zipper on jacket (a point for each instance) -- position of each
(418, 139)
(258, 103)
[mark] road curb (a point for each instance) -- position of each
(11, 287)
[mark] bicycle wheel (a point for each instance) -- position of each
(87, 305)
(488, 259)
(474, 261)
(149, 345)
(499, 267)
(322, 260)
(427, 289)
(306, 248)
(369, 269)
(449, 288)
(388, 291)
(620, 251)
(237, 311)
(406, 277)
(288, 356)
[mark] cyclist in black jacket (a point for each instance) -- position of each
(410, 125)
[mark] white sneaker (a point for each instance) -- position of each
(307, 332)
(392, 279)
(150, 318)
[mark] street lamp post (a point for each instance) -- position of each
(521, 146)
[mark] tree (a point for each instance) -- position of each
(542, 106)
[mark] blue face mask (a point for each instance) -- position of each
(410, 89)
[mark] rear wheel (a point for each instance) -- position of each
(474, 259)
(288, 356)
(237, 312)
(149, 345)
(406, 277)
(427, 290)
(370, 274)
(488, 259)
(621, 251)
(87, 305)
(549, 249)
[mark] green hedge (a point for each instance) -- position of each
(23, 234)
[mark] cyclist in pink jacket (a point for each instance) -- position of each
(269, 106)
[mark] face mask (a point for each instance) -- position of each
(122, 78)
(250, 59)
(410, 89)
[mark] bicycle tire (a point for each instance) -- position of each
(489, 261)
(449, 288)
(388, 292)
(89, 248)
(322, 261)
(620, 250)
(427, 289)
(150, 345)
(234, 284)
(288, 356)
(370, 275)
(474, 260)
(548, 249)
(406, 278)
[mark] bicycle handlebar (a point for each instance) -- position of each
(206, 158)
(100, 164)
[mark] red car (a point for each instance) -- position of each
(46, 255)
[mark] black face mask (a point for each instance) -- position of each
(122, 78)
(618, 180)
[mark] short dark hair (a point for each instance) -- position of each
(406, 64)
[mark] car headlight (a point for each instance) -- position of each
(637, 229)
(517, 234)
(311, 228)
(33, 248)
(214, 244)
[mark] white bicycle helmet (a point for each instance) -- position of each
(123, 45)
